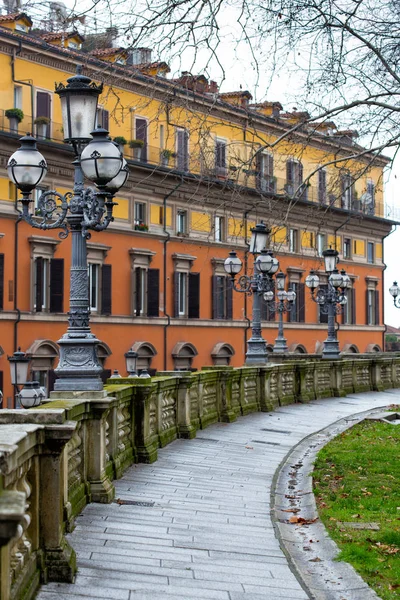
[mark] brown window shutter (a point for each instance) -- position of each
(43, 104)
(194, 296)
(141, 134)
(229, 298)
(57, 285)
(106, 290)
(1, 281)
(176, 294)
(377, 308)
(353, 307)
(39, 284)
(153, 292)
(366, 307)
(290, 172)
(301, 302)
(214, 299)
(138, 291)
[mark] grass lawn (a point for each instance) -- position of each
(357, 480)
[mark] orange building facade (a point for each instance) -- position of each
(209, 169)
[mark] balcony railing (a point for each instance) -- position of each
(51, 131)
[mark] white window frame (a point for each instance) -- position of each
(293, 240)
(371, 245)
(94, 298)
(140, 258)
(181, 221)
(41, 247)
(321, 243)
(219, 228)
(350, 248)
(18, 94)
(135, 219)
(182, 294)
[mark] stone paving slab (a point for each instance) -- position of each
(209, 534)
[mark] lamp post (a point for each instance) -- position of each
(31, 394)
(265, 265)
(283, 304)
(330, 300)
(77, 212)
(394, 292)
(131, 361)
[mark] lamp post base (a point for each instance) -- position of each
(257, 353)
(331, 349)
(280, 346)
(79, 368)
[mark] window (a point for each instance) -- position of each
(294, 179)
(74, 45)
(347, 248)
(370, 307)
(1, 281)
(182, 150)
(102, 118)
(182, 277)
(140, 213)
(181, 222)
(322, 315)
(47, 276)
(347, 191)
(368, 199)
(17, 96)
(266, 182)
(162, 137)
(322, 196)
(221, 297)
(297, 314)
(141, 134)
(21, 27)
(186, 288)
(36, 193)
(219, 228)
(220, 157)
(145, 284)
(349, 309)
(293, 240)
(321, 243)
(93, 278)
(43, 109)
(370, 252)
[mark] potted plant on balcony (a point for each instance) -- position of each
(15, 116)
(141, 227)
(121, 141)
(137, 146)
(165, 156)
(41, 127)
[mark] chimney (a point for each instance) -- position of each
(111, 35)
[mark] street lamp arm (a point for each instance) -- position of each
(244, 284)
(51, 211)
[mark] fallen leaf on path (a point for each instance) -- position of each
(301, 520)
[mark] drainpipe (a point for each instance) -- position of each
(246, 259)
(28, 82)
(383, 287)
(166, 240)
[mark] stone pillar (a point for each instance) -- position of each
(146, 426)
(101, 488)
(224, 388)
(58, 557)
(12, 510)
(185, 428)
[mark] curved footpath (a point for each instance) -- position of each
(197, 523)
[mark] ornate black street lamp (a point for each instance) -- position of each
(265, 265)
(394, 291)
(330, 299)
(281, 303)
(100, 160)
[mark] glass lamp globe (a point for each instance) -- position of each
(19, 363)
(330, 257)
(233, 264)
(263, 262)
(282, 295)
(119, 180)
(27, 166)
(291, 295)
(343, 301)
(31, 395)
(131, 361)
(101, 160)
(268, 296)
(280, 280)
(275, 265)
(312, 280)
(346, 281)
(336, 279)
(394, 289)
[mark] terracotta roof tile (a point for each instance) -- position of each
(107, 51)
(50, 37)
(15, 17)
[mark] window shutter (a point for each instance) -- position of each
(214, 299)
(141, 134)
(366, 307)
(322, 186)
(270, 314)
(43, 104)
(106, 119)
(292, 314)
(182, 142)
(301, 302)
(377, 311)
(300, 171)
(153, 292)
(39, 284)
(259, 171)
(194, 296)
(138, 291)
(229, 298)
(176, 294)
(289, 172)
(353, 307)
(263, 309)
(1, 388)
(1, 281)
(106, 290)
(57, 285)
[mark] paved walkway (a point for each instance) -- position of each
(199, 524)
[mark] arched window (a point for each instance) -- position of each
(146, 351)
(43, 361)
(222, 353)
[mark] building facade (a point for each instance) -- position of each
(204, 168)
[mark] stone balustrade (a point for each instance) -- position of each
(58, 457)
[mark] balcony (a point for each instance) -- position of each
(52, 131)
